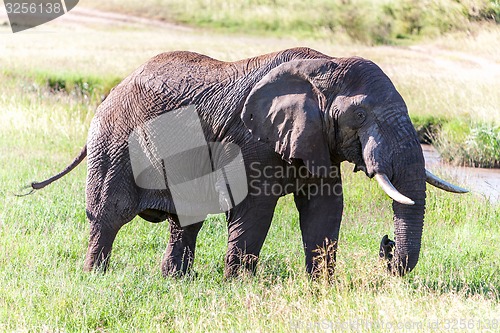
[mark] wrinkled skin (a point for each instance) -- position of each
(298, 109)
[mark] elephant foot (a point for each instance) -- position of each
(321, 266)
(240, 264)
(171, 271)
(174, 267)
(98, 264)
(323, 272)
(99, 249)
(179, 255)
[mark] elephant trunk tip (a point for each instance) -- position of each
(386, 248)
(397, 265)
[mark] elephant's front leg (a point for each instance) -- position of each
(248, 224)
(179, 255)
(320, 209)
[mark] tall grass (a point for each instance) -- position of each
(461, 141)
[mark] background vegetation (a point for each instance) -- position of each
(51, 85)
(367, 21)
(461, 141)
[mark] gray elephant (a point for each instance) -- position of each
(294, 116)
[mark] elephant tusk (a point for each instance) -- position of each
(444, 185)
(391, 191)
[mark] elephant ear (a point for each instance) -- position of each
(284, 110)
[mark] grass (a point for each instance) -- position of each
(70, 84)
(43, 237)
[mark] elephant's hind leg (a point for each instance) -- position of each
(99, 249)
(179, 255)
(103, 229)
(110, 205)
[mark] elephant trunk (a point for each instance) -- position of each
(408, 219)
(408, 225)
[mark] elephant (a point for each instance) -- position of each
(293, 116)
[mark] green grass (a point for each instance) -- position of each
(366, 21)
(70, 84)
(43, 237)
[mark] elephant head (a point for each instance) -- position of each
(324, 111)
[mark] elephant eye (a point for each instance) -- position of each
(360, 116)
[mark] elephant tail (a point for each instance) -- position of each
(39, 185)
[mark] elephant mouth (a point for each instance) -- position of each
(355, 156)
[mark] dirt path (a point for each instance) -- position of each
(82, 17)
(458, 61)
(85, 16)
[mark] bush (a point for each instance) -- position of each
(470, 144)
(482, 10)
(483, 146)
(461, 141)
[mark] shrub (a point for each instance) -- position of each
(471, 144)
(80, 86)
(483, 146)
